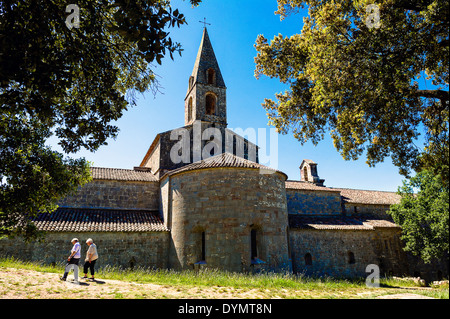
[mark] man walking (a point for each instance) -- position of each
(73, 260)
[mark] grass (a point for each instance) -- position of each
(217, 278)
(269, 285)
(11, 262)
(205, 278)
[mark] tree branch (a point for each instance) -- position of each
(413, 5)
(433, 94)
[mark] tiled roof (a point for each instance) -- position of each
(359, 196)
(308, 186)
(224, 160)
(308, 161)
(99, 220)
(339, 222)
(120, 174)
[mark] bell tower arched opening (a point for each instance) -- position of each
(210, 104)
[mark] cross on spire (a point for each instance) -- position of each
(204, 22)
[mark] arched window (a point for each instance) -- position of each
(288, 242)
(190, 109)
(351, 257)
(199, 245)
(305, 174)
(211, 76)
(308, 259)
(210, 104)
(253, 244)
(191, 82)
(203, 246)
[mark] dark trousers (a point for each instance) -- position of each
(89, 265)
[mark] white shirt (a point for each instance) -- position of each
(77, 248)
(93, 252)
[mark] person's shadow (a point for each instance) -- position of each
(87, 283)
(77, 283)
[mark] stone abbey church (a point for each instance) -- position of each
(226, 211)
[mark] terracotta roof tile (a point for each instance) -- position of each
(121, 174)
(224, 160)
(339, 222)
(308, 186)
(359, 196)
(99, 220)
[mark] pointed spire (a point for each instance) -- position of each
(206, 59)
(206, 95)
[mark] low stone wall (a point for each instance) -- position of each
(124, 249)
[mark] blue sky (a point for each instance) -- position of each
(235, 25)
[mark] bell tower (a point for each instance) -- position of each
(206, 96)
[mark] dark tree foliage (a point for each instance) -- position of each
(71, 82)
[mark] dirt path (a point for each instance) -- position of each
(404, 296)
(29, 284)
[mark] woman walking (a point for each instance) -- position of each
(91, 258)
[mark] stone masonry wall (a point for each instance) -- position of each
(308, 202)
(226, 204)
(125, 249)
(199, 95)
(154, 159)
(370, 209)
(191, 141)
(115, 195)
(330, 251)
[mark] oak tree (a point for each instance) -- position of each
(70, 80)
(372, 73)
